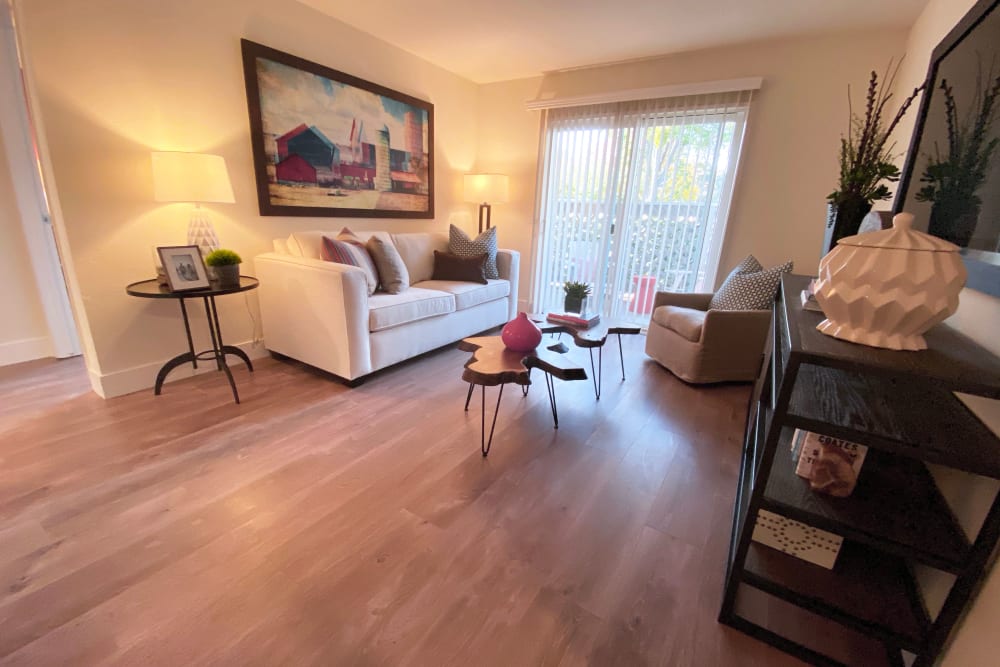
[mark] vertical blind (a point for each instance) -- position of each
(634, 198)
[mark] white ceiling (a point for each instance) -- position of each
(496, 40)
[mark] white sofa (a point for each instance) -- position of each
(320, 313)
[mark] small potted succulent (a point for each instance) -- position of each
(576, 296)
(226, 265)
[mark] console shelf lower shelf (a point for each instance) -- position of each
(896, 507)
(865, 590)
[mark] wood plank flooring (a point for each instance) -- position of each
(315, 524)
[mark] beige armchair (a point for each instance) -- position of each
(699, 345)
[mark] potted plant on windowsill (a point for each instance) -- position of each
(226, 265)
(866, 161)
(576, 296)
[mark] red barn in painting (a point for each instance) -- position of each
(295, 169)
(310, 143)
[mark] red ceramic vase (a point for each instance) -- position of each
(521, 334)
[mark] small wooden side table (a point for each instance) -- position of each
(151, 289)
(593, 337)
(492, 364)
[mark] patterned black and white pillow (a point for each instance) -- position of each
(460, 244)
(749, 289)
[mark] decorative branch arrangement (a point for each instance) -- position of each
(953, 180)
(867, 160)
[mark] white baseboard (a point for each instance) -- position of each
(26, 349)
(138, 378)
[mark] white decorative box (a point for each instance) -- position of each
(797, 539)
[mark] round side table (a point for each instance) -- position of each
(151, 289)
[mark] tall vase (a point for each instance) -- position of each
(521, 334)
(844, 219)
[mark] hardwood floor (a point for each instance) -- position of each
(315, 524)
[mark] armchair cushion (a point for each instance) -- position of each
(746, 289)
(686, 322)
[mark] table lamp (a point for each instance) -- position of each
(483, 189)
(196, 178)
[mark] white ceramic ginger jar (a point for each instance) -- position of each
(887, 288)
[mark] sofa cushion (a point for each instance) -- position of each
(417, 252)
(460, 244)
(685, 322)
(309, 243)
(391, 310)
(349, 249)
(468, 295)
(452, 267)
(392, 274)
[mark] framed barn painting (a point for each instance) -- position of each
(327, 143)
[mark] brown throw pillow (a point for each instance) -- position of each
(466, 269)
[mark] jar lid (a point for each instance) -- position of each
(901, 236)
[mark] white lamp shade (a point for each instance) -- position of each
(486, 188)
(191, 177)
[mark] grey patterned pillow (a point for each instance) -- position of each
(749, 289)
(460, 244)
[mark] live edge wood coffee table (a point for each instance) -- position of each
(591, 338)
(492, 364)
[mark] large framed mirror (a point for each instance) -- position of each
(951, 179)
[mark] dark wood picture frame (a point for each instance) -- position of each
(983, 266)
(366, 176)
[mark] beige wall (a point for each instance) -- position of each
(116, 79)
(976, 642)
(789, 162)
(23, 332)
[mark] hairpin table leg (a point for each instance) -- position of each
(468, 397)
(485, 444)
(597, 374)
(621, 357)
(525, 387)
(550, 384)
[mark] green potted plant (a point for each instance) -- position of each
(226, 265)
(576, 296)
(866, 161)
(953, 180)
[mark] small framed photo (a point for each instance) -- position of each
(184, 267)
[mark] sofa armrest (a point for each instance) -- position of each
(736, 329)
(509, 268)
(696, 301)
(316, 312)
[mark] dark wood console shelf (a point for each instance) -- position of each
(868, 609)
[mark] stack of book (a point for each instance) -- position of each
(830, 464)
(809, 297)
(584, 320)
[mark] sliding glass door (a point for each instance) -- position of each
(635, 198)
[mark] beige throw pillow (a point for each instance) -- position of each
(392, 273)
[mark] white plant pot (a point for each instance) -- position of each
(887, 288)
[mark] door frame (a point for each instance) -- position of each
(20, 141)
